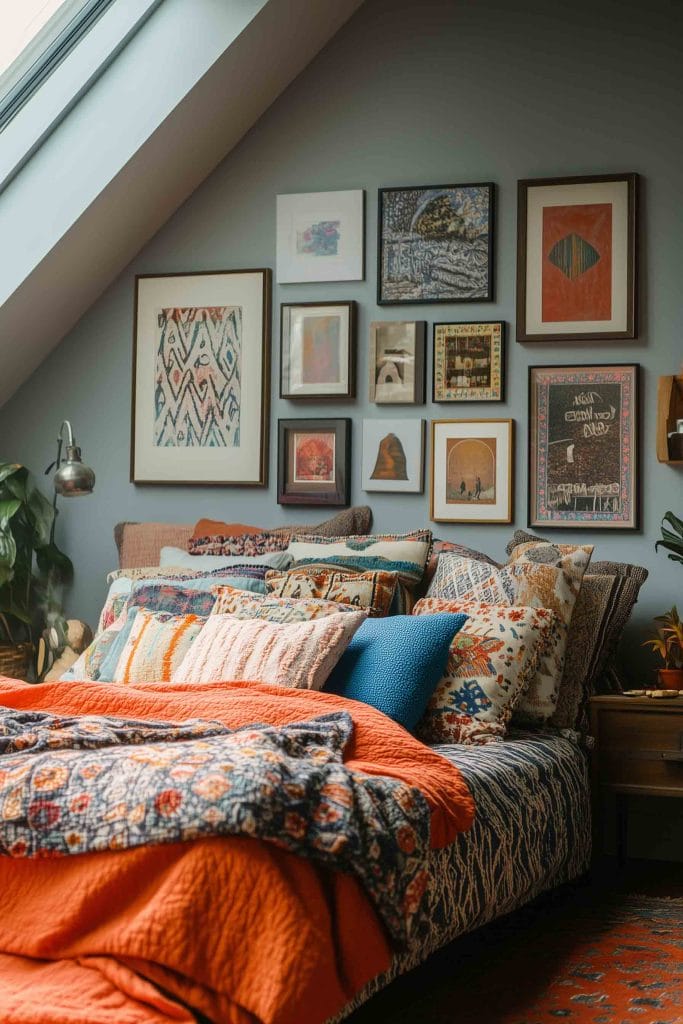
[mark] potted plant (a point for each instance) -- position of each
(669, 645)
(32, 572)
(672, 539)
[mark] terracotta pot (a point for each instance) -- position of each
(671, 678)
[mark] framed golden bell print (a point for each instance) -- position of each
(201, 373)
(577, 258)
(472, 471)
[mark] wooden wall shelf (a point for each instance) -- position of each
(669, 409)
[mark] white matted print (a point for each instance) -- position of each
(200, 369)
(397, 359)
(320, 236)
(393, 455)
(472, 469)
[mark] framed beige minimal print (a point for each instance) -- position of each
(393, 455)
(201, 374)
(397, 362)
(317, 350)
(472, 471)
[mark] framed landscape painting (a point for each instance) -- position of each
(468, 362)
(576, 258)
(583, 446)
(393, 455)
(321, 236)
(435, 244)
(472, 471)
(317, 350)
(397, 362)
(201, 372)
(314, 462)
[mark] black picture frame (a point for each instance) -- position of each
(535, 490)
(285, 348)
(483, 295)
(291, 490)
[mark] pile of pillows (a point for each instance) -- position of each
(443, 639)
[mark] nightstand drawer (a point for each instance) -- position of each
(633, 748)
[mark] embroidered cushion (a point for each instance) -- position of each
(548, 577)
(299, 655)
(372, 590)
(87, 665)
(491, 663)
(158, 642)
(440, 547)
(249, 544)
(229, 601)
(394, 664)
(178, 558)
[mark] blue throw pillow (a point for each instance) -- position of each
(396, 663)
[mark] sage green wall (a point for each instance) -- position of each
(406, 93)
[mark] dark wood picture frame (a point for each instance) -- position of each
(488, 296)
(475, 395)
(417, 394)
(350, 392)
(634, 447)
(264, 419)
(339, 491)
(631, 331)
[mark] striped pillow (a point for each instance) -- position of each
(157, 644)
(229, 601)
(372, 590)
(299, 655)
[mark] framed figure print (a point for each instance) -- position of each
(468, 362)
(201, 374)
(435, 244)
(397, 362)
(321, 236)
(317, 350)
(393, 455)
(314, 462)
(583, 446)
(472, 471)
(576, 258)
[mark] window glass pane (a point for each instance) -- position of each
(27, 29)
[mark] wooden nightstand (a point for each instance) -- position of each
(638, 752)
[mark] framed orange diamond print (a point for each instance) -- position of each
(576, 258)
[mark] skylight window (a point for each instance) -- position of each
(35, 36)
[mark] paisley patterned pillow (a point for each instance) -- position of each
(249, 544)
(492, 661)
(229, 601)
(372, 590)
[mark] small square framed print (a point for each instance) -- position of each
(397, 362)
(472, 471)
(583, 446)
(468, 362)
(576, 258)
(435, 244)
(393, 455)
(314, 462)
(320, 236)
(317, 350)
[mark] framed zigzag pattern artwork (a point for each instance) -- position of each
(200, 378)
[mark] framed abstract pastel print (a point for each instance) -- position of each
(583, 446)
(201, 372)
(393, 455)
(314, 462)
(317, 350)
(397, 362)
(576, 258)
(468, 362)
(321, 236)
(435, 244)
(472, 471)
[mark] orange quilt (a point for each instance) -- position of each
(235, 928)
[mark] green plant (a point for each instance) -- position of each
(672, 539)
(32, 568)
(669, 640)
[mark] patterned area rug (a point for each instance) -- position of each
(581, 959)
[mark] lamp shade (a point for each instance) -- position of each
(74, 478)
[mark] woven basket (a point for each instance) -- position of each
(15, 662)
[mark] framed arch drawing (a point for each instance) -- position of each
(397, 362)
(472, 471)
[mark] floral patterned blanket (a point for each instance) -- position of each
(71, 785)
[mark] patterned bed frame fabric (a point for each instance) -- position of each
(532, 832)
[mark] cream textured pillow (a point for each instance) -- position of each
(492, 661)
(299, 655)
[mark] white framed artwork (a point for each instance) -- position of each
(320, 236)
(393, 455)
(472, 471)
